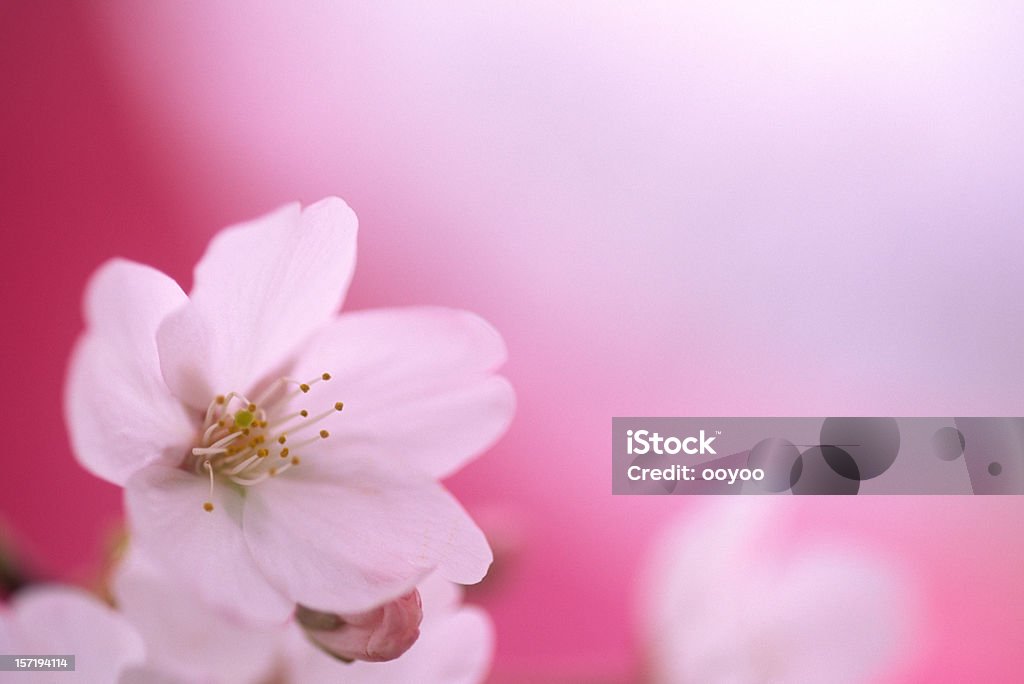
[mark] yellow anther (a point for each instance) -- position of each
(236, 435)
(208, 507)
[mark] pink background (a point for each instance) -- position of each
(806, 210)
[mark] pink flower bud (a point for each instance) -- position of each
(383, 633)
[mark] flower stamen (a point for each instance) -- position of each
(208, 506)
(236, 435)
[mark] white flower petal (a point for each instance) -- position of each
(359, 536)
(439, 597)
(260, 290)
(59, 620)
(183, 635)
(120, 413)
(207, 549)
(418, 384)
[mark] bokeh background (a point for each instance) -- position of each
(795, 208)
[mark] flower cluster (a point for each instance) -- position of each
(281, 468)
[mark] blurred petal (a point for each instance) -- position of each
(260, 290)
(838, 615)
(727, 605)
(120, 414)
(205, 549)
(52, 620)
(418, 384)
(695, 559)
(359, 536)
(147, 674)
(184, 637)
(6, 634)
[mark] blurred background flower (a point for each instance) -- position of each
(724, 602)
(803, 208)
(105, 643)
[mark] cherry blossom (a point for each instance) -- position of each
(273, 452)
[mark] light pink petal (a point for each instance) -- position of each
(184, 636)
(6, 635)
(149, 674)
(204, 549)
(260, 290)
(839, 615)
(439, 597)
(67, 621)
(359, 536)
(699, 559)
(120, 414)
(728, 603)
(418, 384)
(456, 649)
